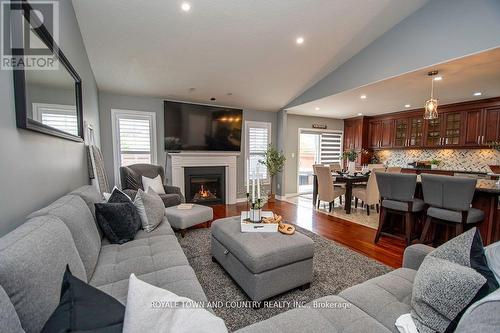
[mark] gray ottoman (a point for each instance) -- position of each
(263, 264)
(185, 218)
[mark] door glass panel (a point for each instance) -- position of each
(416, 130)
(401, 130)
(309, 154)
(452, 129)
(433, 132)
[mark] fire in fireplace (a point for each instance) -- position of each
(204, 185)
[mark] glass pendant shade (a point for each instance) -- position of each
(431, 109)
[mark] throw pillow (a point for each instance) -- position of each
(152, 309)
(492, 253)
(118, 196)
(118, 221)
(405, 324)
(155, 183)
(452, 277)
(482, 316)
(84, 308)
(150, 208)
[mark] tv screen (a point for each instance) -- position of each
(202, 127)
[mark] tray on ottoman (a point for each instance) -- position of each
(185, 218)
(263, 264)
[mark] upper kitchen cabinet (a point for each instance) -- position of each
(491, 125)
(381, 133)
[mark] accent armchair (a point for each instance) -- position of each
(131, 180)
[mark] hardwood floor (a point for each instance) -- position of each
(357, 237)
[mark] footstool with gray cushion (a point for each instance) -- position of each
(184, 218)
(263, 264)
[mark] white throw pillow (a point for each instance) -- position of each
(152, 309)
(155, 183)
(492, 253)
(150, 207)
(405, 324)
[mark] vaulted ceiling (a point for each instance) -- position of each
(243, 53)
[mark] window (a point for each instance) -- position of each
(257, 138)
(134, 138)
(62, 117)
(330, 147)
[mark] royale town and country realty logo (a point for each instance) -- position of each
(25, 31)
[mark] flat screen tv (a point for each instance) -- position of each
(202, 127)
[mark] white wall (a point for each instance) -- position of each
(36, 168)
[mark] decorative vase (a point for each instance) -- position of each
(351, 167)
(255, 215)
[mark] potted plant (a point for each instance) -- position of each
(274, 160)
(350, 156)
(435, 163)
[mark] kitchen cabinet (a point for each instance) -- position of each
(452, 130)
(401, 132)
(356, 137)
(472, 132)
(416, 132)
(491, 125)
(408, 132)
(381, 133)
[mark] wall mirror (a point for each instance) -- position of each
(49, 94)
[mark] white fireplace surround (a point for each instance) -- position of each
(179, 161)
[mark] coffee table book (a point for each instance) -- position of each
(248, 226)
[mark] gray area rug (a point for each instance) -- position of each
(335, 269)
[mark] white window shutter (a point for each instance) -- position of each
(258, 139)
(330, 147)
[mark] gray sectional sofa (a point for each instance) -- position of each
(33, 258)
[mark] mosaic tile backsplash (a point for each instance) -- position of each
(451, 159)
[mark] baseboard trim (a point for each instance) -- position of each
(239, 200)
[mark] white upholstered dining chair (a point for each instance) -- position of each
(326, 190)
(369, 194)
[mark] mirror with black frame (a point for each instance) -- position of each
(47, 87)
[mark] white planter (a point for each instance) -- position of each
(255, 215)
(434, 166)
(351, 167)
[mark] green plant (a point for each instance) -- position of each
(494, 145)
(274, 160)
(435, 162)
(350, 155)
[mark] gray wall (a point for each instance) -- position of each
(439, 31)
(108, 101)
(291, 144)
(36, 168)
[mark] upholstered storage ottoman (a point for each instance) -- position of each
(185, 218)
(263, 264)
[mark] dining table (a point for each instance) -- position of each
(348, 180)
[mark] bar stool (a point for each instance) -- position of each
(449, 199)
(397, 196)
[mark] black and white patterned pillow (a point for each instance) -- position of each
(451, 277)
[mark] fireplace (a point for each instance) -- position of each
(205, 185)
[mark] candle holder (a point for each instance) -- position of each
(248, 200)
(255, 213)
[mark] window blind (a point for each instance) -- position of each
(134, 140)
(330, 147)
(258, 136)
(63, 121)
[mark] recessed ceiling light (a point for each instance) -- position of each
(186, 6)
(300, 40)
(438, 78)
(478, 93)
(362, 96)
(317, 108)
(407, 105)
(360, 114)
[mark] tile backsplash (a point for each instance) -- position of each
(451, 159)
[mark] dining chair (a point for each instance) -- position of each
(397, 193)
(449, 199)
(369, 194)
(394, 169)
(326, 190)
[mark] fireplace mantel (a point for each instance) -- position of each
(178, 161)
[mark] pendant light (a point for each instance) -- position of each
(431, 105)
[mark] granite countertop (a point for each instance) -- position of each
(488, 186)
(448, 170)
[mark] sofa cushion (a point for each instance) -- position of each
(84, 308)
(33, 258)
(330, 314)
(117, 262)
(8, 316)
(180, 280)
(73, 211)
(475, 215)
(385, 297)
(90, 195)
(162, 230)
(482, 316)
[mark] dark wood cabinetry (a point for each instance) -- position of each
(356, 137)
(461, 125)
